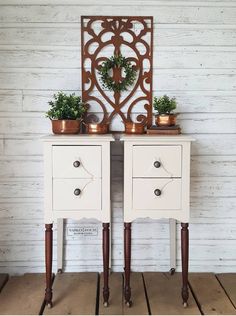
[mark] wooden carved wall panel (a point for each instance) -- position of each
(103, 37)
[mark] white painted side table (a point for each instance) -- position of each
(156, 185)
(77, 186)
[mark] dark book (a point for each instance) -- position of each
(164, 130)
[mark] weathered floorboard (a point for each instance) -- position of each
(210, 295)
(74, 294)
(3, 280)
(228, 282)
(23, 295)
(117, 306)
(115, 302)
(139, 306)
(164, 295)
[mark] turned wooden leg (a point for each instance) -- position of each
(127, 246)
(106, 250)
(48, 261)
(184, 255)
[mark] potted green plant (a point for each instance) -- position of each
(165, 107)
(66, 113)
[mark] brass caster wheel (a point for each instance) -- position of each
(49, 305)
(105, 304)
(172, 271)
(185, 304)
(59, 271)
(128, 303)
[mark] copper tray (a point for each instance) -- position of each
(134, 128)
(97, 128)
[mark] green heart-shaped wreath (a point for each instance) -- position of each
(121, 62)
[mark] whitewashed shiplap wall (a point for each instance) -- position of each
(194, 60)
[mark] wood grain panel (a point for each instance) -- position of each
(227, 281)
(163, 291)
(23, 295)
(21, 167)
(31, 125)
(21, 188)
(10, 102)
(124, 3)
(203, 252)
(21, 211)
(69, 14)
(223, 166)
(165, 79)
(70, 35)
(116, 298)
(22, 145)
(214, 144)
(74, 294)
(210, 294)
(3, 280)
(37, 101)
(164, 57)
(158, 233)
(140, 305)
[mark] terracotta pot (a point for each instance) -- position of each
(66, 126)
(134, 128)
(166, 120)
(97, 128)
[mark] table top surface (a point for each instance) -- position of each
(117, 137)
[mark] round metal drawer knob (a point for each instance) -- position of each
(157, 164)
(76, 164)
(77, 192)
(157, 192)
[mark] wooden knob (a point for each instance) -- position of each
(157, 192)
(77, 192)
(76, 164)
(157, 164)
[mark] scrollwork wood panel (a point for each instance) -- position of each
(131, 36)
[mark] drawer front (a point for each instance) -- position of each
(76, 161)
(156, 161)
(76, 194)
(156, 194)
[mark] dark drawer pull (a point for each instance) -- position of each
(76, 164)
(157, 192)
(77, 192)
(157, 164)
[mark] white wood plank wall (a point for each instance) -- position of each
(194, 60)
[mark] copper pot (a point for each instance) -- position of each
(134, 128)
(166, 120)
(97, 128)
(173, 119)
(66, 126)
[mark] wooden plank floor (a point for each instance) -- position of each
(3, 280)
(152, 293)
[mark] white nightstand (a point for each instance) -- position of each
(77, 185)
(156, 185)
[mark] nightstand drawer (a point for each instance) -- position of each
(76, 161)
(156, 161)
(77, 194)
(156, 194)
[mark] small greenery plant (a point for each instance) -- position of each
(66, 107)
(164, 105)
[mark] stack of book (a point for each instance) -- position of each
(164, 130)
